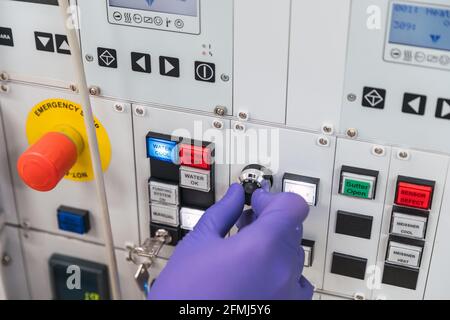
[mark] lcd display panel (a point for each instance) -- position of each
(420, 26)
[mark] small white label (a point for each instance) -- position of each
(190, 218)
(404, 254)
(167, 215)
(164, 193)
(306, 190)
(409, 226)
(195, 179)
(308, 256)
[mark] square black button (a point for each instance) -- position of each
(348, 266)
(169, 67)
(107, 57)
(62, 44)
(141, 62)
(6, 37)
(205, 71)
(374, 98)
(400, 276)
(353, 224)
(44, 41)
(414, 104)
(443, 109)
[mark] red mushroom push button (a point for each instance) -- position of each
(415, 193)
(47, 161)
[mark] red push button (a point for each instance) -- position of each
(195, 156)
(46, 162)
(414, 193)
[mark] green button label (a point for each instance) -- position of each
(355, 188)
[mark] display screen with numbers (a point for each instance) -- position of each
(420, 26)
(179, 7)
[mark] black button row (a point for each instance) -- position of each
(47, 42)
(168, 66)
(412, 103)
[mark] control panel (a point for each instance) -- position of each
(345, 103)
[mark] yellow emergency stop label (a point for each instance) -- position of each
(49, 115)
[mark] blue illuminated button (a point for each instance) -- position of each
(73, 220)
(162, 149)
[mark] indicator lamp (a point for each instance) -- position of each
(162, 150)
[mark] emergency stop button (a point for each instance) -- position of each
(414, 193)
(46, 162)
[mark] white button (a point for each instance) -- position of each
(163, 214)
(190, 218)
(306, 190)
(408, 225)
(308, 256)
(196, 179)
(305, 187)
(404, 254)
(163, 192)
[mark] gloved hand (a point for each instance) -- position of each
(263, 261)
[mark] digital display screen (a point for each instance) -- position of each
(181, 7)
(419, 26)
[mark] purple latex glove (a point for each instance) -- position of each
(263, 261)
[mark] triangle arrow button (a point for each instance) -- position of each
(44, 41)
(414, 104)
(169, 67)
(141, 62)
(443, 109)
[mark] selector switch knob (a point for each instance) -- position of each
(254, 177)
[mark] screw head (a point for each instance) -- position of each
(94, 91)
(243, 115)
(351, 97)
(217, 124)
(327, 129)
(220, 111)
(359, 296)
(89, 58)
(403, 155)
(378, 151)
(225, 77)
(6, 260)
(323, 141)
(4, 76)
(73, 88)
(352, 133)
(139, 111)
(119, 108)
(4, 88)
(239, 127)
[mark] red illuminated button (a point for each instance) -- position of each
(415, 193)
(195, 156)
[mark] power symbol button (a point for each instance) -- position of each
(205, 71)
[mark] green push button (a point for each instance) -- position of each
(358, 183)
(359, 189)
